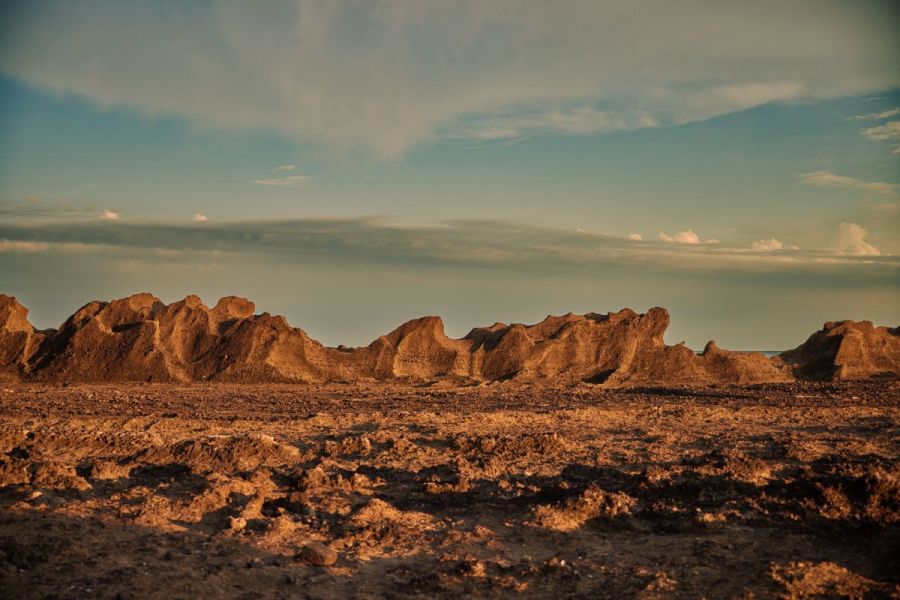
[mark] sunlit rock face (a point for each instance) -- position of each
(140, 338)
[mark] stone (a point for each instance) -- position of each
(318, 554)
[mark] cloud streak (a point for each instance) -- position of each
(34, 209)
(886, 114)
(889, 132)
(289, 181)
(383, 76)
(35, 247)
(577, 120)
(829, 179)
(457, 244)
(23, 246)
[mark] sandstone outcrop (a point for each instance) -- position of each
(19, 341)
(141, 339)
(846, 350)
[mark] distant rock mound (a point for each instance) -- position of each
(19, 341)
(139, 338)
(846, 350)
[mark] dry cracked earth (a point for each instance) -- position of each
(354, 491)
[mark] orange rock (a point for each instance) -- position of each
(139, 338)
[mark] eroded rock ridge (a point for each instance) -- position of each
(140, 338)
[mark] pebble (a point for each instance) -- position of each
(318, 554)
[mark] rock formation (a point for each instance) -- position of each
(18, 339)
(139, 338)
(846, 350)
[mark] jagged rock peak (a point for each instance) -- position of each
(13, 316)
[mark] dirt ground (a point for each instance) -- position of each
(153, 491)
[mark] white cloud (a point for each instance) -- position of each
(635, 237)
(889, 132)
(723, 99)
(829, 179)
(109, 215)
(851, 241)
(578, 120)
(766, 245)
(876, 116)
(384, 75)
(198, 218)
(682, 237)
(28, 246)
(284, 168)
(770, 245)
(23, 246)
(660, 108)
(289, 181)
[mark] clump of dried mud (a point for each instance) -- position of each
(380, 491)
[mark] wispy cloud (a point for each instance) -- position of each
(459, 244)
(109, 215)
(487, 142)
(635, 237)
(284, 168)
(876, 116)
(33, 247)
(722, 99)
(38, 209)
(514, 53)
(23, 246)
(889, 132)
(578, 120)
(851, 241)
(829, 179)
(289, 181)
(199, 218)
(658, 108)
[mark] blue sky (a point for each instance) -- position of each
(353, 165)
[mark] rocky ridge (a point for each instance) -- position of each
(141, 339)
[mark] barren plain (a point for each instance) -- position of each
(496, 490)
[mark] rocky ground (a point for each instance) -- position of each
(355, 491)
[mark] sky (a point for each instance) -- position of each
(355, 164)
